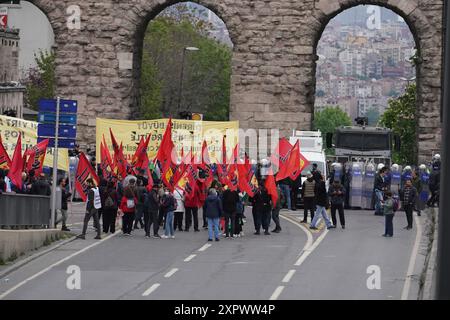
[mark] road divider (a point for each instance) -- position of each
(151, 289)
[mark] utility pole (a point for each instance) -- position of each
(443, 248)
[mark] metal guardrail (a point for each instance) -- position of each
(20, 210)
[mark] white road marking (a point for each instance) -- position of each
(206, 246)
(151, 289)
(288, 276)
(412, 260)
(170, 273)
(309, 235)
(192, 256)
(309, 250)
(17, 286)
(276, 293)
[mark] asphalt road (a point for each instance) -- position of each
(332, 266)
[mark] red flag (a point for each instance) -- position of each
(292, 165)
(166, 146)
(169, 173)
(206, 165)
(302, 165)
(247, 178)
(149, 174)
(15, 172)
(222, 168)
(272, 188)
(36, 157)
(281, 154)
(191, 175)
(5, 161)
(120, 163)
(105, 162)
(140, 155)
(107, 155)
(84, 172)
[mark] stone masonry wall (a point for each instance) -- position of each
(274, 60)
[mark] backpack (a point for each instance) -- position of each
(109, 202)
(396, 204)
(130, 203)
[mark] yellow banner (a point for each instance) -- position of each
(10, 128)
(186, 134)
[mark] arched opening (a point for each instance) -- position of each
(34, 61)
(182, 64)
(368, 57)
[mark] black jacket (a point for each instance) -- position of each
(41, 187)
(321, 194)
(213, 207)
(335, 198)
(379, 183)
(229, 201)
(151, 203)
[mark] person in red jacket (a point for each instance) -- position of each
(128, 207)
(191, 211)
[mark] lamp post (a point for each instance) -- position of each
(180, 88)
(442, 290)
(408, 81)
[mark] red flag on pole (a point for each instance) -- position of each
(140, 155)
(84, 172)
(5, 161)
(206, 165)
(166, 146)
(222, 168)
(15, 171)
(280, 156)
(36, 157)
(272, 188)
(106, 162)
(120, 163)
(292, 165)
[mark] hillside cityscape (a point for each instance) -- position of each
(363, 62)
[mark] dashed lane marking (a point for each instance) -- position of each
(206, 246)
(151, 289)
(192, 256)
(276, 293)
(288, 276)
(171, 273)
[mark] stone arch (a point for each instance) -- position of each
(147, 12)
(428, 41)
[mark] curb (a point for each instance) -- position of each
(428, 273)
(27, 260)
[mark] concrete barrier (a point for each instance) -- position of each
(20, 210)
(14, 243)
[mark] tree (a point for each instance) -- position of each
(329, 119)
(374, 116)
(40, 81)
(400, 116)
(207, 72)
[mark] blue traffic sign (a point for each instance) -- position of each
(65, 131)
(62, 143)
(65, 106)
(45, 117)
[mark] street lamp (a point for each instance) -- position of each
(180, 88)
(413, 79)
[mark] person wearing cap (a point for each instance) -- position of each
(308, 196)
(151, 209)
(336, 192)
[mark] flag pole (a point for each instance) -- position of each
(55, 166)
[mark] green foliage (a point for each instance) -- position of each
(400, 116)
(207, 72)
(40, 81)
(329, 119)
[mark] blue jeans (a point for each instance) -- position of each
(378, 199)
(286, 190)
(321, 212)
(169, 224)
(213, 223)
(389, 229)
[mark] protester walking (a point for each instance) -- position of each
(65, 196)
(322, 205)
(94, 203)
(379, 188)
(151, 209)
(213, 212)
(276, 212)
(191, 212)
(128, 208)
(308, 196)
(388, 211)
(168, 205)
(179, 212)
(230, 200)
(285, 186)
(110, 208)
(337, 193)
(408, 196)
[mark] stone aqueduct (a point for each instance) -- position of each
(273, 65)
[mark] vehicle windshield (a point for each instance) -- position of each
(363, 142)
(320, 167)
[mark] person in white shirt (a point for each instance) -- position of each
(179, 211)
